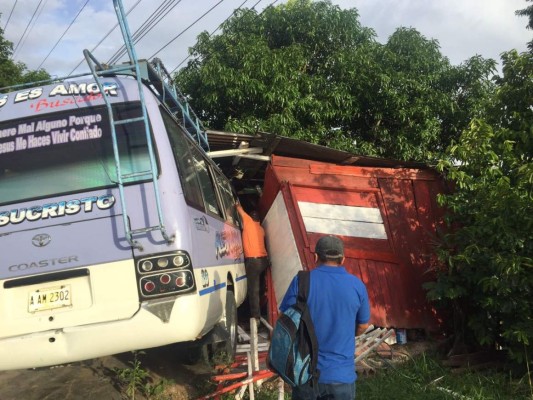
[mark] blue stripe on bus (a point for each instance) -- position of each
(239, 278)
(212, 289)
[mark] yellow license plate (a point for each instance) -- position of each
(50, 298)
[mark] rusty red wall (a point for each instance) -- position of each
(394, 267)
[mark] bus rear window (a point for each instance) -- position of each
(67, 152)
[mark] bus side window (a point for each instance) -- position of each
(186, 168)
(206, 183)
(228, 200)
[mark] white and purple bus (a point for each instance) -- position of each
(117, 232)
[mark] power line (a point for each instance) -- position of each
(186, 29)
(64, 33)
(149, 20)
(105, 36)
(253, 8)
(10, 14)
(154, 19)
(222, 23)
(27, 26)
(33, 25)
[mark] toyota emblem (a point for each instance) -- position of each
(41, 240)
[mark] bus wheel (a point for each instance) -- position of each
(230, 322)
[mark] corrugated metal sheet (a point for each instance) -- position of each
(287, 147)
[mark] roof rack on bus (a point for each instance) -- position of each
(157, 77)
(177, 103)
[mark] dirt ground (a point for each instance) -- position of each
(98, 379)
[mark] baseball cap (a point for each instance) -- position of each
(329, 247)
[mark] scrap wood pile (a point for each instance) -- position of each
(238, 377)
(460, 363)
(373, 350)
(249, 370)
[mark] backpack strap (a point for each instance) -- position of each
(304, 283)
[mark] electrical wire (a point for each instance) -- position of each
(211, 34)
(156, 17)
(186, 29)
(32, 25)
(119, 53)
(105, 36)
(10, 14)
(64, 33)
(27, 26)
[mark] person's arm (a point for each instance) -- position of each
(363, 314)
(361, 328)
(244, 216)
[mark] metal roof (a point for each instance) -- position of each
(246, 156)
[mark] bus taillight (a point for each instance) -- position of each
(178, 261)
(180, 280)
(162, 262)
(165, 275)
(149, 286)
(147, 266)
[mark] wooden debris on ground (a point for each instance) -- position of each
(249, 369)
(476, 361)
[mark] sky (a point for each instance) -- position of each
(38, 28)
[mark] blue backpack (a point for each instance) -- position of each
(293, 351)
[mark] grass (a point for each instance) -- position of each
(423, 378)
(137, 380)
(418, 378)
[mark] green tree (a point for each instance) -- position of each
(489, 253)
(309, 70)
(280, 71)
(419, 102)
(14, 73)
(527, 12)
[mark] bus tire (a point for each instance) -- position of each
(230, 323)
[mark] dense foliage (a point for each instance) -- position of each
(489, 253)
(14, 73)
(309, 70)
(528, 12)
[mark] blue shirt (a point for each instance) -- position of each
(337, 302)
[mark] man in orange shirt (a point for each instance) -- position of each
(255, 256)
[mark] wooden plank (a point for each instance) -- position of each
(461, 360)
(384, 274)
(301, 177)
(355, 247)
(379, 308)
(396, 173)
(282, 248)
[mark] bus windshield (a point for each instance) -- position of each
(69, 151)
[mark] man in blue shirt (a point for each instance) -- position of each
(339, 307)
